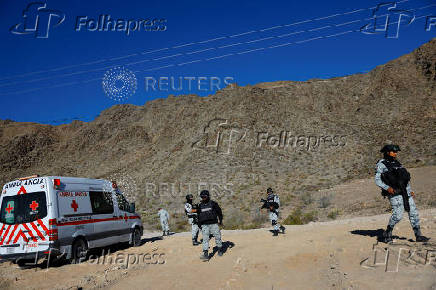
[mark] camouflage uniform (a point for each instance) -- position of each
(164, 216)
(212, 229)
(194, 225)
(397, 200)
(274, 215)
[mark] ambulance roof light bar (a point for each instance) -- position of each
(28, 177)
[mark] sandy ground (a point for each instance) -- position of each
(342, 254)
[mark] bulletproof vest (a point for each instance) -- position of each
(207, 213)
(270, 199)
(396, 177)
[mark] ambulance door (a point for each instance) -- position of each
(75, 215)
(104, 214)
(123, 215)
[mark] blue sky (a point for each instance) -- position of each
(57, 79)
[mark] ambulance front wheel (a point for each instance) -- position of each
(79, 251)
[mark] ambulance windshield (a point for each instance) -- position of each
(23, 208)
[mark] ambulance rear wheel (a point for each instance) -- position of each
(136, 237)
(79, 251)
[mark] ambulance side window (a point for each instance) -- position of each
(122, 202)
(101, 202)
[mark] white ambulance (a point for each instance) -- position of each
(54, 215)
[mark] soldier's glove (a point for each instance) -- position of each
(391, 190)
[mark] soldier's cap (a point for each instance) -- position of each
(390, 148)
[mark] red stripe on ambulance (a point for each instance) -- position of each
(30, 232)
(12, 234)
(22, 190)
(1, 231)
(37, 231)
(43, 226)
(94, 221)
(6, 233)
(21, 234)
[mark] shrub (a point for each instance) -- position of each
(294, 218)
(258, 218)
(333, 214)
(234, 219)
(297, 217)
(307, 198)
(310, 217)
(325, 201)
(181, 225)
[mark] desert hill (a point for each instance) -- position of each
(297, 137)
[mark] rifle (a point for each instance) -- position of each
(398, 180)
(272, 206)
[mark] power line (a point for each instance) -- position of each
(200, 60)
(187, 44)
(194, 52)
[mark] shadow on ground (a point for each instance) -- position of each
(226, 246)
(375, 233)
(96, 253)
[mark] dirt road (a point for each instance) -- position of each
(330, 255)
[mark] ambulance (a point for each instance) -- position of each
(64, 216)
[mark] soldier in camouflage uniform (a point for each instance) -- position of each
(210, 217)
(164, 217)
(191, 212)
(272, 204)
(394, 180)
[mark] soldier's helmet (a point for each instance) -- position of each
(269, 190)
(390, 148)
(189, 197)
(204, 193)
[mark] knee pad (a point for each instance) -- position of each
(273, 222)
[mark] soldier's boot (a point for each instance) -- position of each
(195, 242)
(164, 233)
(419, 236)
(387, 235)
(275, 233)
(220, 251)
(282, 228)
(205, 256)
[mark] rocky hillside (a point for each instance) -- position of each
(297, 137)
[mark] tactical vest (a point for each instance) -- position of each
(207, 213)
(270, 199)
(396, 177)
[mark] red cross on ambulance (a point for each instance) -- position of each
(34, 205)
(9, 208)
(74, 205)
